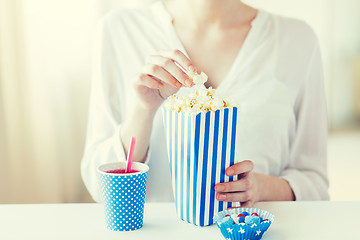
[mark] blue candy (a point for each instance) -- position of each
(245, 213)
(252, 219)
(241, 219)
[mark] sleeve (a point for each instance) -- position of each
(307, 168)
(106, 111)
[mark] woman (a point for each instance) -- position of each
(271, 65)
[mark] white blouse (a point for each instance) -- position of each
(276, 78)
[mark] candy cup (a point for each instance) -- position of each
(235, 218)
(251, 229)
(265, 225)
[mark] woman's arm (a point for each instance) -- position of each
(139, 125)
(109, 127)
(306, 171)
(305, 177)
(159, 78)
(273, 188)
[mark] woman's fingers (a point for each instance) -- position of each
(233, 197)
(159, 72)
(169, 65)
(241, 190)
(180, 58)
(240, 168)
(165, 67)
(236, 186)
(149, 81)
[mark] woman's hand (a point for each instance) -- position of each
(252, 187)
(160, 77)
(245, 190)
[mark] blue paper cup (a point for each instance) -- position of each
(200, 147)
(123, 196)
(243, 231)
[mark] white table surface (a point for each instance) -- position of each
(293, 220)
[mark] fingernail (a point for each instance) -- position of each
(178, 85)
(219, 188)
(188, 82)
(222, 197)
(230, 172)
(192, 69)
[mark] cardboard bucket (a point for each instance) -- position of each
(200, 147)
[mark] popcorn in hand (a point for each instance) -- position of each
(200, 79)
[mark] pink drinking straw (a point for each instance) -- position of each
(130, 154)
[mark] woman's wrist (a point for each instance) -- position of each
(138, 124)
(273, 188)
(262, 188)
(139, 111)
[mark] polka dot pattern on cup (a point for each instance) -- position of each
(124, 198)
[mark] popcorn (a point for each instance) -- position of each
(200, 79)
(200, 100)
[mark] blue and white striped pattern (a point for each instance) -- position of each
(200, 148)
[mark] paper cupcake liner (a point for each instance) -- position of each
(243, 231)
(200, 147)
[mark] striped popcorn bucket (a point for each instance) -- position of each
(200, 147)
